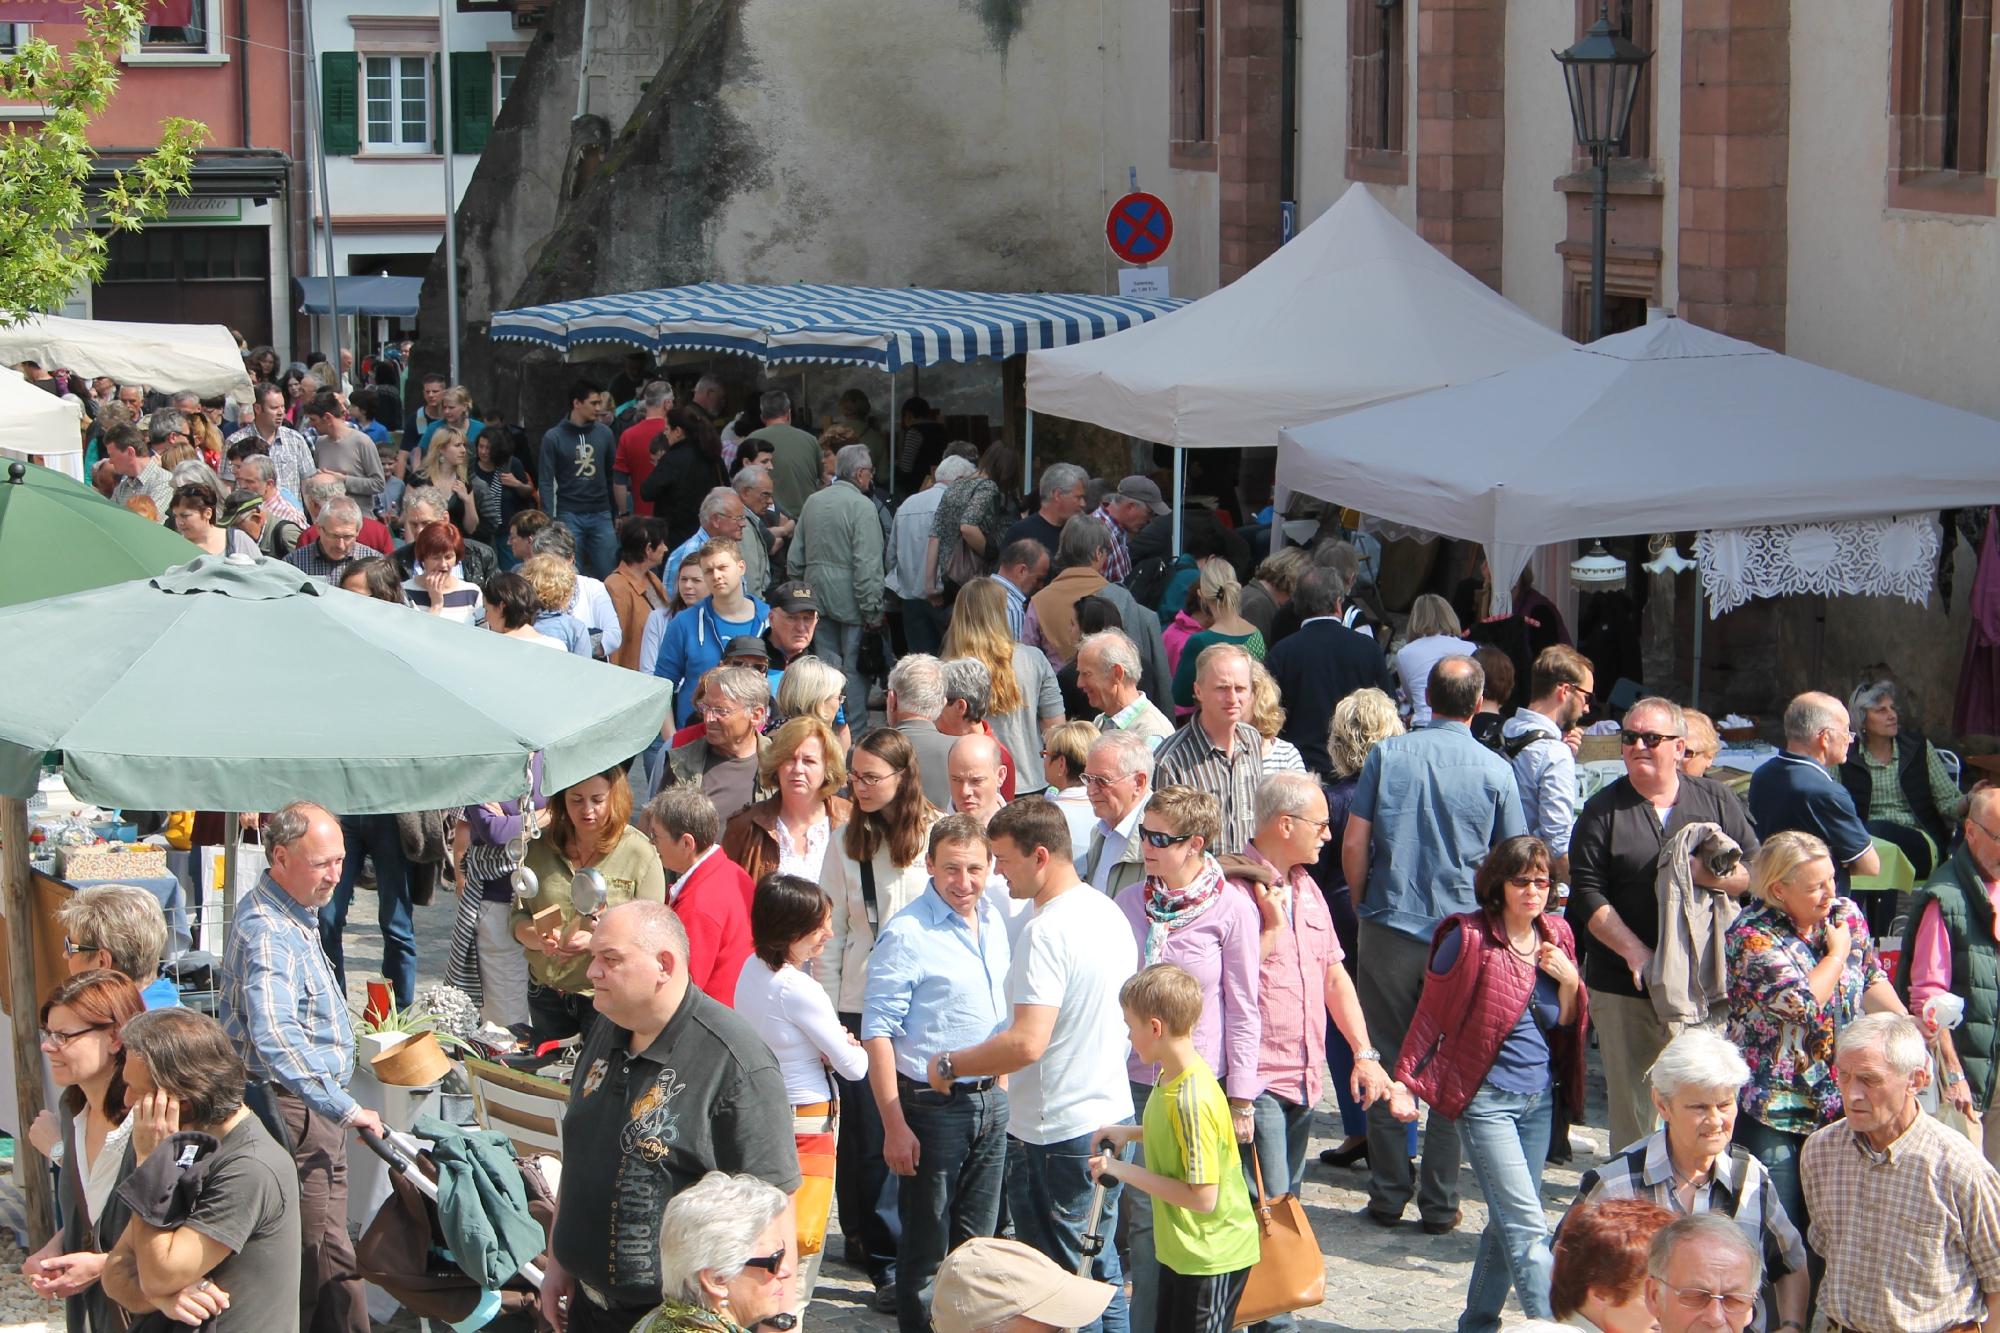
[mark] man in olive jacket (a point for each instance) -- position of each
(838, 551)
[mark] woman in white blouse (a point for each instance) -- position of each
(789, 927)
(80, 1025)
(886, 835)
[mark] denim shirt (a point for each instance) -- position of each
(282, 1005)
(1438, 801)
(932, 987)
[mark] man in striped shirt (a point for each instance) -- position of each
(1219, 752)
(286, 1013)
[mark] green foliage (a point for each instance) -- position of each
(48, 245)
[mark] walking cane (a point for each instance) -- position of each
(1091, 1243)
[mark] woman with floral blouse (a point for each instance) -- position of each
(1801, 967)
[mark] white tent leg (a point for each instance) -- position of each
(1281, 500)
(1180, 494)
(1028, 447)
(1694, 691)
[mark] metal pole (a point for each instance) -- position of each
(1028, 445)
(1694, 691)
(232, 838)
(895, 419)
(1180, 494)
(17, 889)
(1597, 242)
(450, 191)
(325, 194)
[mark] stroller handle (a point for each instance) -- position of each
(400, 1151)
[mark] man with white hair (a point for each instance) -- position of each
(924, 615)
(338, 542)
(1690, 1166)
(1062, 500)
(1108, 672)
(763, 526)
(1218, 751)
(1702, 1276)
(477, 562)
(1117, 780)
(1126, 511)
(722, 513)
(283, 523)
(1905, 1212)
(915, 702)
(838, 551)
(1796, 789)
(669, 1086)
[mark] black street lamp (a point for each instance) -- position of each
(1602, 74)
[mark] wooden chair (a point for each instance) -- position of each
(527, 1108)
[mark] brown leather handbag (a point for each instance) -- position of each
(1290, 1272)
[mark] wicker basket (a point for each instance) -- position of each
(416, 1063)
(113, 860)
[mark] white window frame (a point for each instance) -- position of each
(516, 52)
(215, 52)
(17, 34)
(371, 147)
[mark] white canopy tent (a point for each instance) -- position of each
(1666, 428)
(1355, 310)
(39, 426)
(198, 358)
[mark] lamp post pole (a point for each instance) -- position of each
(1599, 206)
(1601, 73)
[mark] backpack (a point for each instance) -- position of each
(1149, 578)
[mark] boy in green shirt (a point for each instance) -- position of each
(1203, 1227)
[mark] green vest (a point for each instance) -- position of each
(1967, 913)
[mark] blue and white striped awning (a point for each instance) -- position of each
(883, 327)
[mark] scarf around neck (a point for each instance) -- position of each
(1168, 910)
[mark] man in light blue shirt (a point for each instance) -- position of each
(1561, 690)
(937, 982)
(1427, 808)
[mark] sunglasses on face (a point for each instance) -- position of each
(1156, 838)
(1529, 881)
(1652, 740)
(770, 1263)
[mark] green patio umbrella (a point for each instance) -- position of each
(361, 706)
(58, 536)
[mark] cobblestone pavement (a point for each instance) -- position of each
(1376, 1279)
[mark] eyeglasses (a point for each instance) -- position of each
(1652, 740)
(871, 780)
(1318, 823)
(1589, 696)
(1694, 1300)
(58, 1040)
(1982, 828)
(71, 948)
(1155, 838)
(770, 1263)
(1097, 780)
(1529, 881)
(716, 712)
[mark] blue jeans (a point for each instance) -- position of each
(596, 541)
(863, 1187)
(1048, 1193)
(1142, 1259)
(376, 836)
(1284, 1130)
(838, 644)
(1505, 1136)
(955, 1194)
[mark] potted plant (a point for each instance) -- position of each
(416, 1059)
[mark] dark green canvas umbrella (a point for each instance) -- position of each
(58, 536)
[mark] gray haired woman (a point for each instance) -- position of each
(1687, 1167)
(727, 1260)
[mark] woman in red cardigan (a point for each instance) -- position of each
(1498, 1035)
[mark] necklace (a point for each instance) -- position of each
(1518, 951)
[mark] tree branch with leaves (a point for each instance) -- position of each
(50, 237)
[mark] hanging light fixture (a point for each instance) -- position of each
(1597, 570)
(1667, 557)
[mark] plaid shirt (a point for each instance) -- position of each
(1118, 560)
(1189, 758)
(314, 562)
(1911, 1236)
(280, 510)
(291, 456)
(1739, 1188)
(283, 1006)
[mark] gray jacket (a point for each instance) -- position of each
(1129, 870)
(1688, 978)
(1142, 626)
(838, 549)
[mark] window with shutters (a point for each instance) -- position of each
(1191, 58)
(1377, 84)
(1940, 98)
(471, 100)
(396, 104)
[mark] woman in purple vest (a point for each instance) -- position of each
(1498, 1035)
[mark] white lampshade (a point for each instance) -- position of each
(1597, 570)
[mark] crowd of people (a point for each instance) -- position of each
(995, 855)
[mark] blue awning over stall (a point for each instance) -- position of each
(888, 328)
(363, 294)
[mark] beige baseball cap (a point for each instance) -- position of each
(989, 1280)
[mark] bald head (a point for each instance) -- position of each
(307, 851)
(1454, 688)
(1982, 812)
(653, 927)
(976, 772)
(1816, 725)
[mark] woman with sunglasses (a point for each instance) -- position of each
(1499, 1034)
(726, 1257)
(1182, 912)
(80, 1023)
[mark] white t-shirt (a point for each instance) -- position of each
(1414, 661)
(1073, 955)
(1014, 912)
(793, 1015)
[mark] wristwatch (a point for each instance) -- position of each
(1953, 1077)
(1370, 1054)
(944, 1068)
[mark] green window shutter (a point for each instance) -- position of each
(437, 104)
(340, 102)
(471, 100)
